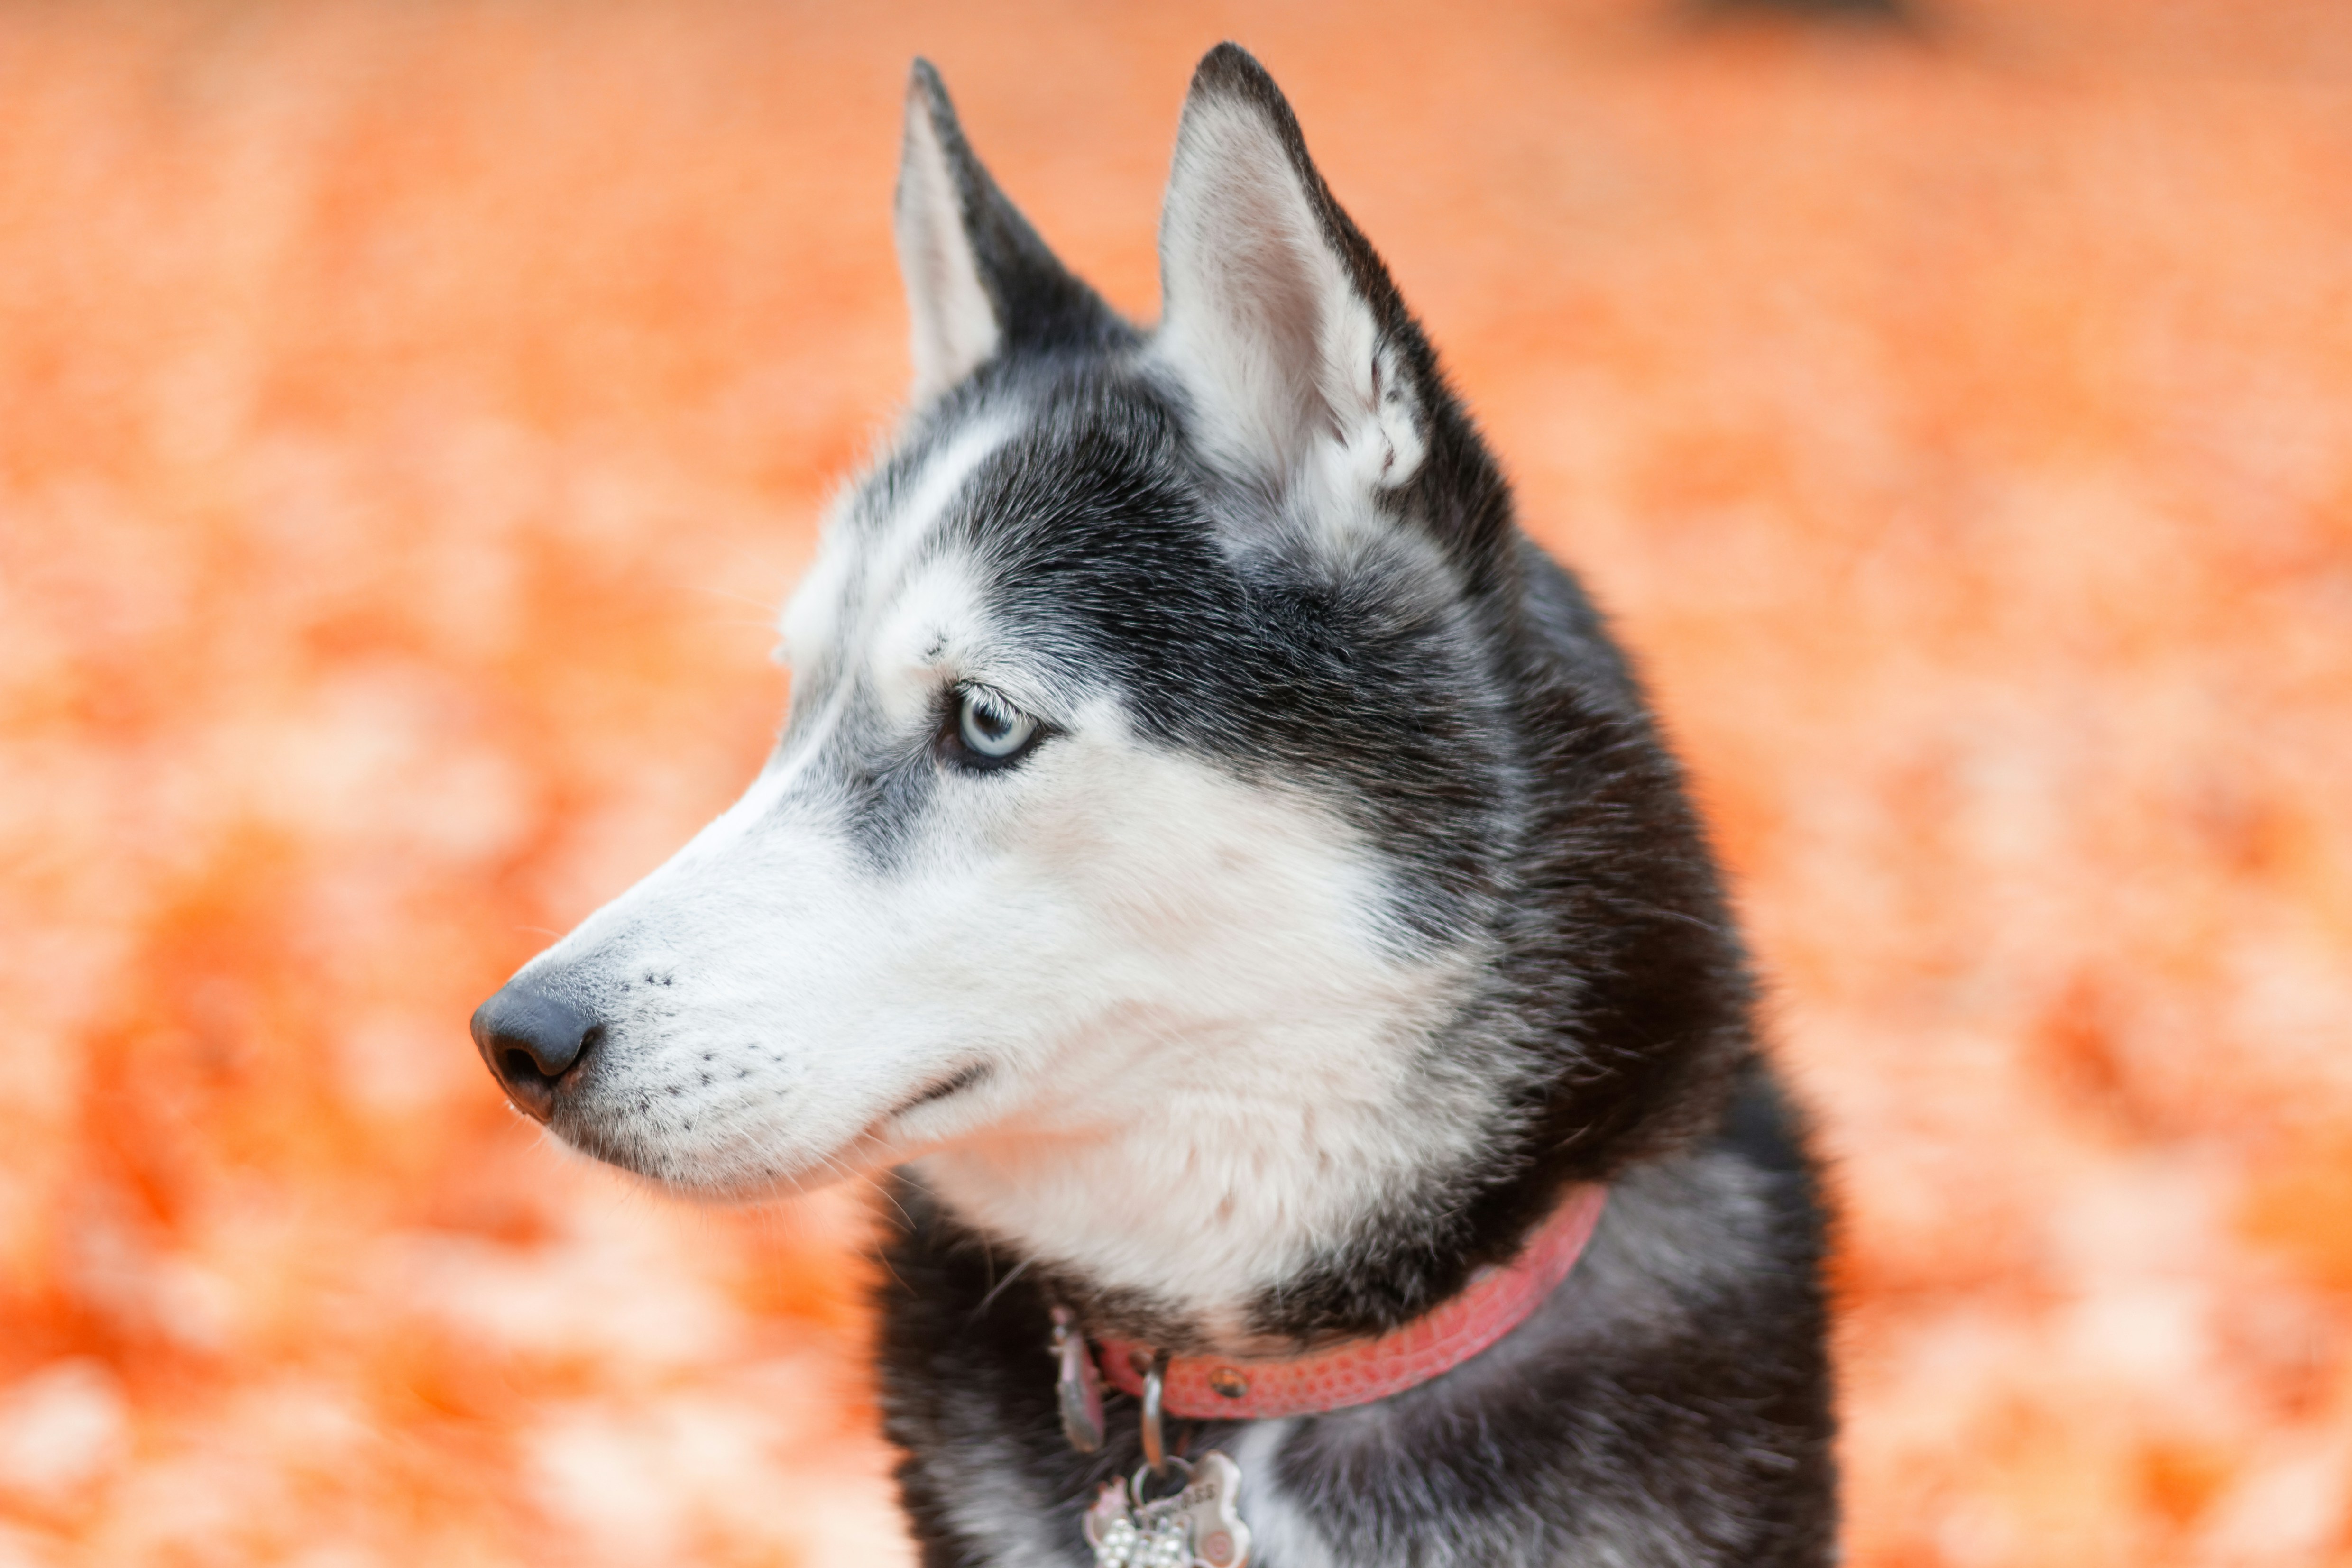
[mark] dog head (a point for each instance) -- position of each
(1144, 841)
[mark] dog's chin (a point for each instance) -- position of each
(755, 1169)
(726, 1177)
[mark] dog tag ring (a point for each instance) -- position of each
(1077, 1387)
(1199, 1526)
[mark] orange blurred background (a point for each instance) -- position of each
(410, 412)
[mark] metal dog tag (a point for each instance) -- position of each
(1199, 1527)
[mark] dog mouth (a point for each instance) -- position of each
(632, 1150)
(876, 1137)
(971, 1076)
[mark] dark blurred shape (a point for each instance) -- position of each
(1891, 11)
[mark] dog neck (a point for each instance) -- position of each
(1170, 1206)
(1256, 1388)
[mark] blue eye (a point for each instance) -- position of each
(991, 728)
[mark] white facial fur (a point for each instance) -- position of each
(1199, 1042)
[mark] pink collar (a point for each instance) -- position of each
(1496, 1301)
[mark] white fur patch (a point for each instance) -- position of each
(1282, 1531)
(861, 559)
(812, 617)
(883, 561)
(1225, 1046)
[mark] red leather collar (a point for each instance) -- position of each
(1258, 1388)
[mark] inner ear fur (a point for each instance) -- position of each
(980, 281)
(1277, 314)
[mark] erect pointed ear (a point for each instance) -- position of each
(1277, 314)
(979, 280)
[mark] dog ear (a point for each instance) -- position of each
(1277, 313)
(979, 280)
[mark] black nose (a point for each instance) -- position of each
(532, 1040)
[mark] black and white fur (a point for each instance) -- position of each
(1341, 908)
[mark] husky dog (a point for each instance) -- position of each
(1230, 875)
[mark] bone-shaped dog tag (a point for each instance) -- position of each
(1199, 1527)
